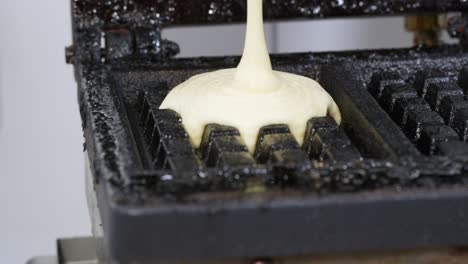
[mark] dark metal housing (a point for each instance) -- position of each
(392, 176)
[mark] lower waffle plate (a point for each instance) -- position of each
(391, 176)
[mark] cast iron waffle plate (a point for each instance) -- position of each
(392, 176)
(173, 12)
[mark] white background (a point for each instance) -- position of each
(41, 161)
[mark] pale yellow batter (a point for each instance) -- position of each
(252, 95)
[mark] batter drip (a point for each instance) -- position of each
(252, 95)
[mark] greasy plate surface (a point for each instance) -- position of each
(371, 150)
(171, 12)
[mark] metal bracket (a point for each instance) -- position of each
(457, 27)
(77, 251)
